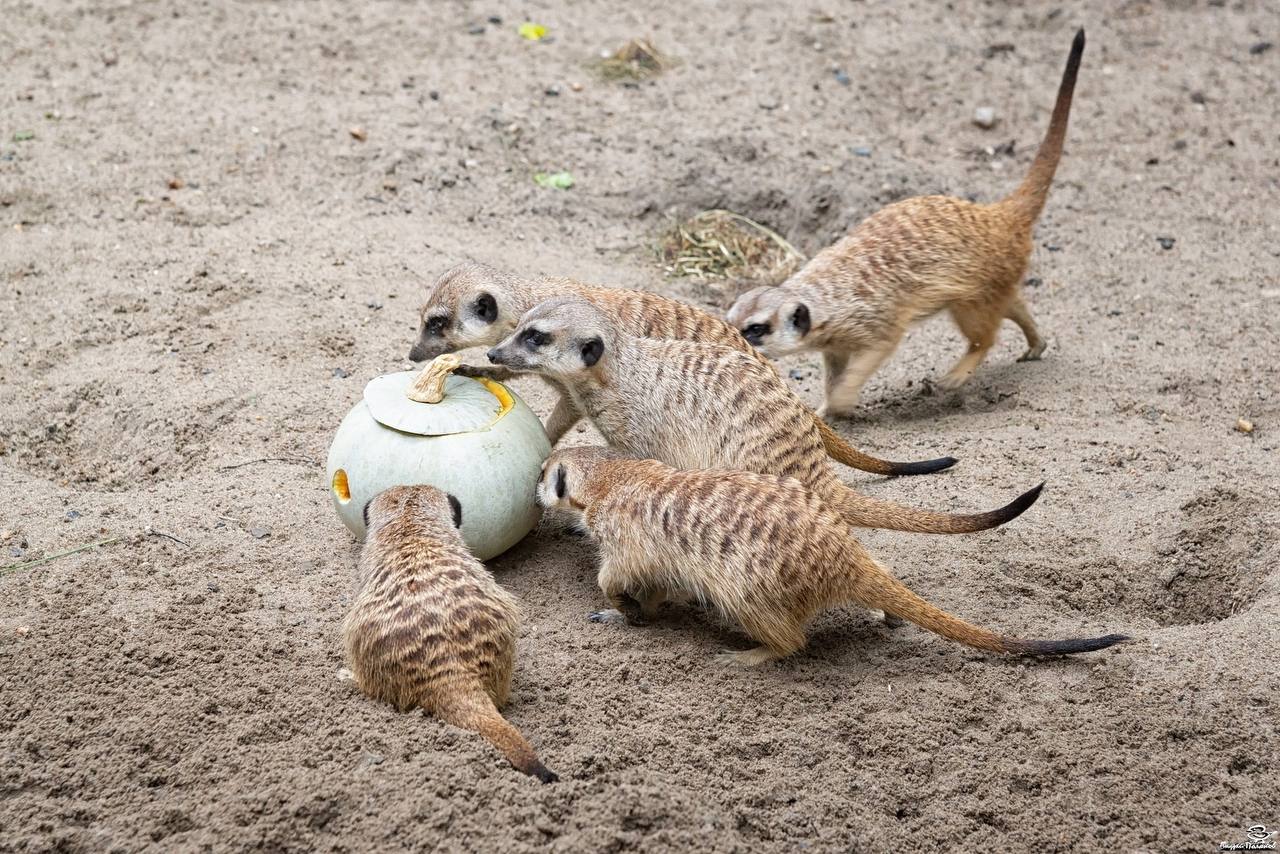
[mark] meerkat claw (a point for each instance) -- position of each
(608, 615)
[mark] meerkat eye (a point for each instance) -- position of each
(534, 338)
(561, 485)
(592, 350)
(456, 506)
(755, 332)
(800, 318)
(435, 325)
(486, 308)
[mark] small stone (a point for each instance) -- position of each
(796, 374)
(1035, 282)
(358, 133)
(176, 184)
(1244, 425)
(841, 77)
(575, 86)
(374, 304)
(22, 631)
(213, 586)
(1198, 98)
(475, 29)
(433, 95)
(341, 373)
(861, 150)
(369, 759)
(495, 19)
(72, 515)
(260, 532)
(1260, 48)
(1179, 144)
(985, 117)
(1165, 242)
(552, 91)
(15, 551)
(447, 180)
(6, 535)
(994, 50)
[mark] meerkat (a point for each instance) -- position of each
(855, 300)
(764, 551)
(430, 628)
(694, 406)
(476, 305)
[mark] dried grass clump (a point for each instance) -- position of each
(720, 244)
(638, 59)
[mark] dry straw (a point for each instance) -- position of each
(638, 59)
(720, 244)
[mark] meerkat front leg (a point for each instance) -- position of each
(564, 416)
(497, 373)
(613, 583)
(1018, 313)
(844, 396)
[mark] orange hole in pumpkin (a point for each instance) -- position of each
(340, 486)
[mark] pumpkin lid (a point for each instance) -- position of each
(401, 400)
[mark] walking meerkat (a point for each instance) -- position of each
(476, 305)
(764, 551)
(701, 406)
(430, 628)
(855, 299)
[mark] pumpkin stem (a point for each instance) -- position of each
(429, 385)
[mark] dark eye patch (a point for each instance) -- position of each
(534, 338)
(486, 308)
(435, 325)
(755, 332)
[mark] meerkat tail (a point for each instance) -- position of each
(842, 452)
(1030, 196)
(876, 588)
(476, 712)
(865, 512)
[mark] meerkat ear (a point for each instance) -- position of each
(456, 506)
(562, 485)
(486, 307)
(592, 350)
(800, 319)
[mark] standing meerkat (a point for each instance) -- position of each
(475, 305)
(701, 406)
(855, 299)
(430, 628)
(762, 550)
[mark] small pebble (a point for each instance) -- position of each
(22, 631)
(260, 533)
(1260, 48)
(1244, 425)
(15, 551)
(72, 515)
(433, 95)
(374, 304)
(841, 77)
(1165, 242)
(476, 29)
(1035, 282)
(1198, 98)
(213, 586)
(552, 91)
(358, 133)
(495, 19)
(577, 87)
(985, 117)
(861, 150)
(1179, 144)
(341, 373)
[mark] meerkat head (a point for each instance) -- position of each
(772, 320)
(566, 338)
(424, 505)
(566, 476)
(469, 306)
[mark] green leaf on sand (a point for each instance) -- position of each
(23, 135)
(558, 180)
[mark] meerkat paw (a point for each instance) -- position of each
(746, 657)
(1033, 354)
(883, 617)
(951, 382)
(607, 615)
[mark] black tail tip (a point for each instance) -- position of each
(1072, 646)
(1078, 42)
(546, 775)
(922, 467)
(1019, 505)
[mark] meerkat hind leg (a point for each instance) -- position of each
(979, 323)
(1018, 313)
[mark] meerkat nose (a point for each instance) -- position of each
(495, 356)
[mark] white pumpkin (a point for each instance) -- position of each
(479, 441)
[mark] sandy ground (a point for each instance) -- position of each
(193, 242)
